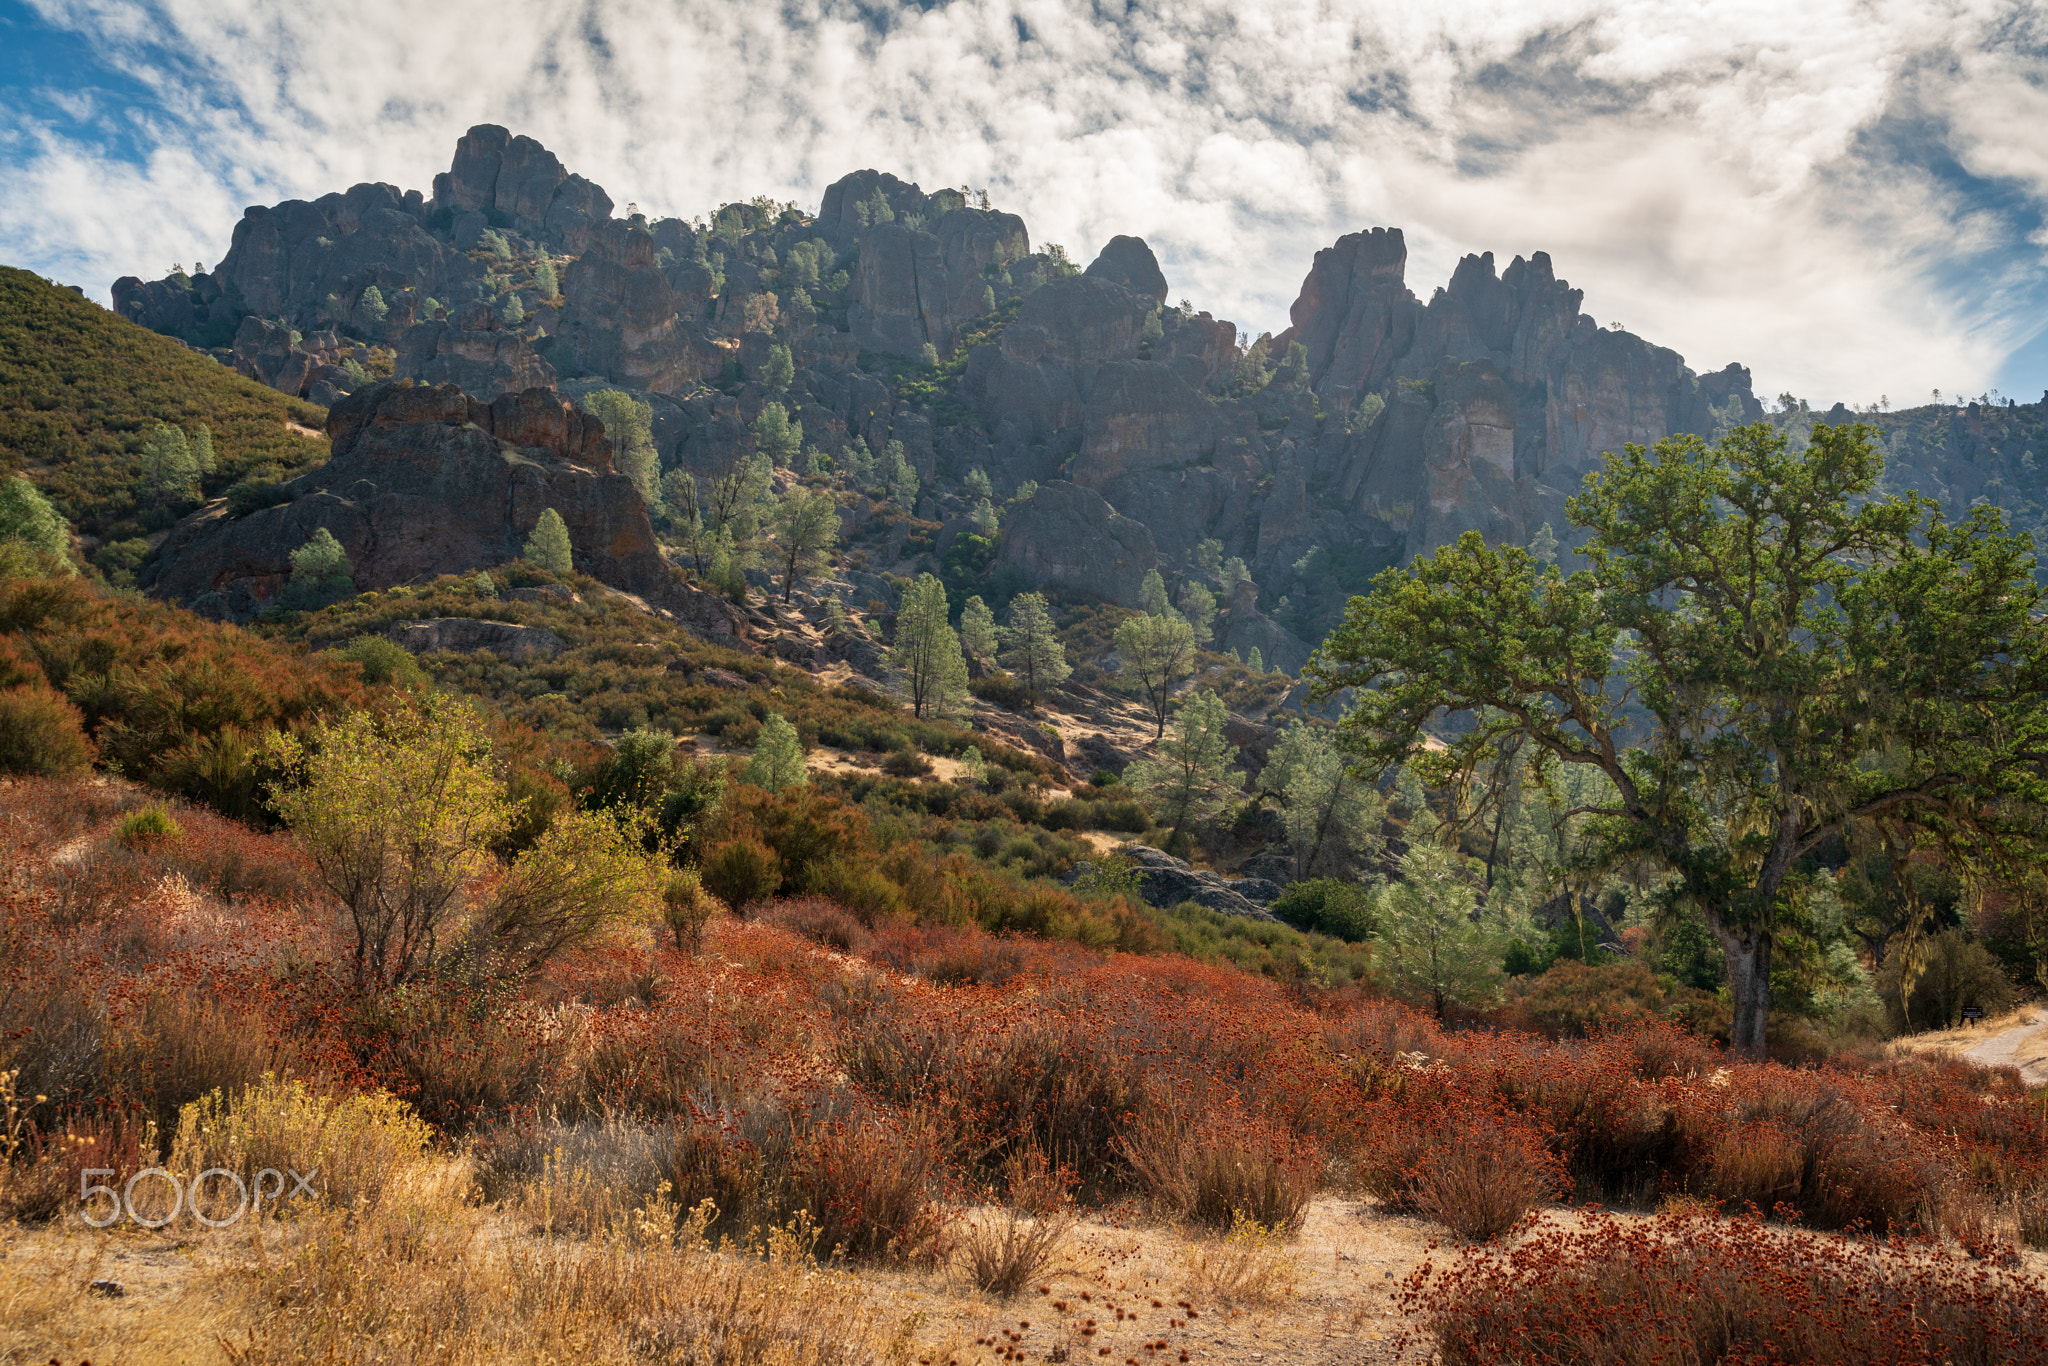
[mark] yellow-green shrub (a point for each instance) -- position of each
(353, 1149)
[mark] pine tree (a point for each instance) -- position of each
(1152, 595)
(1199, 608)
(1255, 661)
(805, 527)
(984, 516)
(371, 305)
(1031, 645)
(484, 585)
(1231, 575)
(778, 758)
(512, 311)
(977, 485)
(544, 279)
(1543, 545)
(978, 629)
(27, 518)
(1209, 555)
(629, 426)
(899, 476)
(202, 451)
(548, 547)
(170, 474)
(776, 436)
(1191, 780)
(779, 370)
(1156, 652)
(1329, 815)
(1434, 945)
(928, 652)
(859, 463)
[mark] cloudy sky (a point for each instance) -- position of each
(1846, 195)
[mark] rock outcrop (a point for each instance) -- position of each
(1400, 424)
(1067, 536)
(507, 640)
(425, 481)
(471, 348)
(1164, 880)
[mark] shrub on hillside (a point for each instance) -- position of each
(1329, 906)
(1703, 1290)
(41, 734)
(1220, 1168)
(741, 871)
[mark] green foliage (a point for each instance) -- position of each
(1367, 410)
(41, 734)
(1152, 595)
(147, 825)
(1435, 946)
(896, 475)
(81, 390)
(485, 585)
(779, 371)
(1198, 609)
(384, 662)
(1255, 661)
(1191, 780)
(1157, 651)
(548, 547)
(778, 759)
(370, 304)
(927, 652)
(1330, 817)
(1796, 653)
(1031, 645)
(629, 425)
(169, 474)
(776, 436)
(26, 517)
(512, 310)
(544, 279)
(859, 463)
(1230, 575)
(397, 812)
(978, 629)
(803, 530)
(1332, 906)
(321, 573)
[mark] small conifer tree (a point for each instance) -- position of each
(170, 474)
(548, 547)
(321, 573)
(778, 759)
(1031, 644)
(978, 629)
(371, 304)
(779, 370)
(27, 518)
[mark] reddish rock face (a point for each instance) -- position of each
(425, 481)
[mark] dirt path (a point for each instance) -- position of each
(2024, 1047)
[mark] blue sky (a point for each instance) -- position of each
(1849, 196)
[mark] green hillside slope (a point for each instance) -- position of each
(81, 389)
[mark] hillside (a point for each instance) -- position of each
(81, 389)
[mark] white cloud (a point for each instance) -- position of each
(1713, 174)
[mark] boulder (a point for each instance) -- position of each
(1068, 536)
(505, 639)
(1164, 880)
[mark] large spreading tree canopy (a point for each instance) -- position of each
(1762, 651)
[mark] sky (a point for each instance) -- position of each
(1848, 196)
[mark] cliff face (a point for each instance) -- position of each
(425, 481)
(1397, 426)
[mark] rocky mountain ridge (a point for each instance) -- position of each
(1120, 434)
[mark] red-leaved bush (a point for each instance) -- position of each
(1689, 1291)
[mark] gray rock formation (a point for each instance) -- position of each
(1164, 880)
(1127, 261)
(472, 349)
(506, 639)
(1066, 536)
